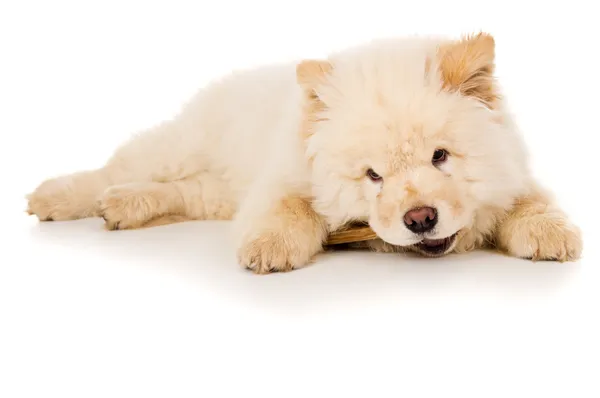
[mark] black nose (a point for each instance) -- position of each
(421, 219)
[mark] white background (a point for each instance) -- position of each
(167, 312)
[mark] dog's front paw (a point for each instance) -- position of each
(287, 237)
(277, 252)
(546, 236)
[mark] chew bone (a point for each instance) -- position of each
(350, 235)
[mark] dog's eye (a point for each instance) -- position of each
(374, 176)
(439, 156)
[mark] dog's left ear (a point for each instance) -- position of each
(467, 66)
(312, 73)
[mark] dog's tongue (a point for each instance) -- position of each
(433, 242)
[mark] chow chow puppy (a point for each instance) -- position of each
(409, 136)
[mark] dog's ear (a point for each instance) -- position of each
(311, 73)
(467, 66)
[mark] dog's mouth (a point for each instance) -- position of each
(435, 247)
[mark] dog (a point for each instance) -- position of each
(408, 135)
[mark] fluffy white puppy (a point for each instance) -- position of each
(408, 135)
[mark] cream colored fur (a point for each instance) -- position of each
(283, 150)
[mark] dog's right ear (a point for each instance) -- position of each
(312, 73)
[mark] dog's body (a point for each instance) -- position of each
(409, 135)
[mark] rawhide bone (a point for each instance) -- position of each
(351, 234)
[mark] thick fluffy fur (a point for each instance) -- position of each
(284, 151)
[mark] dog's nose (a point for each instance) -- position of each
(421, 219)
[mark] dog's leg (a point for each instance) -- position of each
(147, 204)
(277, 232)
(162, 153)
(537, 229)
(68, 197)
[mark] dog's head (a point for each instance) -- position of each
(412, 137)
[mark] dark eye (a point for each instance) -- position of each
(373, 176)
(439, 156)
